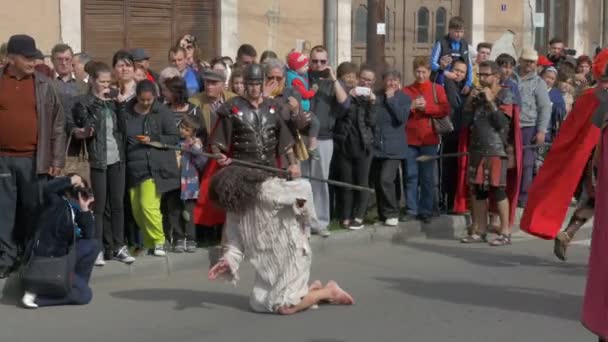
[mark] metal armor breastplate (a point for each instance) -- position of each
(485, 139)
(255, 134)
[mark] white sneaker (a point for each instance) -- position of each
(357, 224)
(159, 251)
(123, 256)
(100, 261)
(28, 300)
(391, 222)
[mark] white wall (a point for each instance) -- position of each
(71, 28)
(344, 46)
(229, 30)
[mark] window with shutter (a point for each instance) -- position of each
(199, 18)
(103, 23)
(150, 27)
(155, 25)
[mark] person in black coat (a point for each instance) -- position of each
(353, 142)
(66, 213)
(151, 172)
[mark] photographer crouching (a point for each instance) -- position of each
(62, 255)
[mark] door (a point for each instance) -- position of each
(412, 28)
(155, 25)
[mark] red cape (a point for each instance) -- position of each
(205, 212)
(552, 189)
(596, 297)
(513, 175)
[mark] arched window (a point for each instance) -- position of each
(422, 25)
(440, 23)
(361, 25)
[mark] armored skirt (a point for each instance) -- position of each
(487, 171)
(270, 234)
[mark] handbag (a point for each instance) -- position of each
(80, 163)
(443, 125)
(48, 276)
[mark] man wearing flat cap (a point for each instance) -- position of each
(142, 59)
(211, 98)
(32, 144)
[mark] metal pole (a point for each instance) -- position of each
(331, 37)
(375, 41)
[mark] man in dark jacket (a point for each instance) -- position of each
(66, 219)
(329, 103)
(32, 143)
(392, 111)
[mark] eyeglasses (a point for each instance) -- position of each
(319, 61)
(274, 78)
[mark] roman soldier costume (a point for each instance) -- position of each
(246, 132)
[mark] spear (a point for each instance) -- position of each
(427, 158)
(160, 145)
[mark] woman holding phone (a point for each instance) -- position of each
(98, 122)
(151, 172)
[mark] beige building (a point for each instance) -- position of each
(102, 27)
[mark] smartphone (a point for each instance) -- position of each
(112, 94)
(363, 91)
(315, 74)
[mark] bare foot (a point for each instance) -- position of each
(316, 285)
(340, 296)
(287, 310)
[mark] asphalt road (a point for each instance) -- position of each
(415, 290)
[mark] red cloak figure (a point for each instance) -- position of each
(553, 188)
(513, 174)
(595, 308)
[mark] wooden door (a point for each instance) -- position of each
(412, 29)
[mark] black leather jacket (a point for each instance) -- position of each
(88, 112)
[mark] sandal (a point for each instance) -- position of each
(501, 240)
(474, 238)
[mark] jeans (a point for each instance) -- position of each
(320, 191)
(175, 227)
(419, 175)
(20, 198)
(109, 190)
(384, 171)
(80, 294)
(352, 203)
(529, 159)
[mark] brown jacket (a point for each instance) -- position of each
(209, 119)
(51, 125)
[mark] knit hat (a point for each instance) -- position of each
(296, 60)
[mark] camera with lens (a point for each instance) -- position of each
(480, 98)
(82, 191)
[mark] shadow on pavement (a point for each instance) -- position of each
(187, 299)
(519, 299)
(481, 256)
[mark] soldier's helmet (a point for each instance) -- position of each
(253, 74)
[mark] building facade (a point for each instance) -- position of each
(101, 27)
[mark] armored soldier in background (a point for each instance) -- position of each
(253, 128)
(489, 116)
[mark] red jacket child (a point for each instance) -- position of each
(419, 127)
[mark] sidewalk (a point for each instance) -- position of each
(445, 227)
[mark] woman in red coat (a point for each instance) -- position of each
(430, 101)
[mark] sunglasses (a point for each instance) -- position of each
(274, 78)
(319, 61)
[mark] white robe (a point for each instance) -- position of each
(271, 236)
